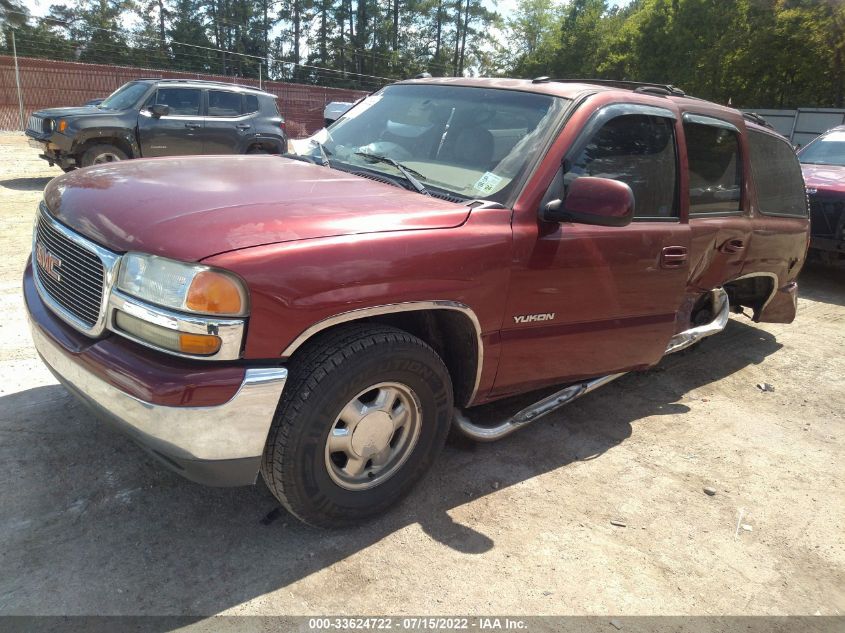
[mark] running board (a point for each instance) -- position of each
(529, 414)
(682, 340)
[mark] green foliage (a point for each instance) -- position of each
(350, 43)
(755, 53)
(188, 37)
(13, 13)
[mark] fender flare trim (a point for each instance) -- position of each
(394, 308)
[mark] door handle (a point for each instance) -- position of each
(673, 257)
(244, 126)
(192, 126)
(732, 246)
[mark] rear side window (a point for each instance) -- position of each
(639, 150)
(715, 169)
(182, 101)
(223, 103)
(250, 104)
(777, 176)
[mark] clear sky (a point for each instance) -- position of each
(38, 7)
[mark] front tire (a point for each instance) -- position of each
(364, 414)
(101, 154)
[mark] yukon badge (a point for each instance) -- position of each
(533, 318)
(48, 262)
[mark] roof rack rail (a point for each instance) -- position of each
(756, 118)
(207, 81)
(632, 85)
(653, 90)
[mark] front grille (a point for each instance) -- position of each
(36, 124)
(76, 276)
(827, 217)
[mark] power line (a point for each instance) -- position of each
(350, 47)
(197, 66)
(260, 58)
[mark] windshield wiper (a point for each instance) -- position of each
(407, 172)
(324, 153)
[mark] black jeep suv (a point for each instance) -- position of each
(160, 117)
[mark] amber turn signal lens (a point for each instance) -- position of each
(184, 342)
(62, 125)
(200, 344)
(214, 293)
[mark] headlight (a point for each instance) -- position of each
(185, 287)
(48, 125)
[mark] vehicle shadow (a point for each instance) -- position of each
(26, 184)
(822, 282)
(92, 525)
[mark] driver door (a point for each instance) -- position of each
(588, 300)
(178, 133)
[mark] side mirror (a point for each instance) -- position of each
(159, 110)
(589, 200)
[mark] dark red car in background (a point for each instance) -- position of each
(823, 164)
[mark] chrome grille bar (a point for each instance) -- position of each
(76, 281)
(73, 275)
(36, 124)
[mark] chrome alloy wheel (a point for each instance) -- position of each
(106, 157)
(373, 436)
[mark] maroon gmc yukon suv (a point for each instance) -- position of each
(326, 318)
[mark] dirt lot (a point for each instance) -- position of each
(90, 525)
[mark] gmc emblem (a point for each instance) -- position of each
(48, 262)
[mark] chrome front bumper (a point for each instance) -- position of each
(215, 445)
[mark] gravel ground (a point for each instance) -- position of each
(90, 525)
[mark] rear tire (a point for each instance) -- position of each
(365, 412)
(102, 153)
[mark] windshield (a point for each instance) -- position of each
(472, 143)
(827, 150)
(124, 97)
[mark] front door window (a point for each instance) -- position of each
(181, 101)
(639, 150)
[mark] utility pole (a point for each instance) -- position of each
(18, 81)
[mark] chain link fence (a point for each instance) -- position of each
(46, 83)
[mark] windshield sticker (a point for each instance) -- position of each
(487, 183)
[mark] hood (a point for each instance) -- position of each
(190, 208)
(829, 178)
(57, 113)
